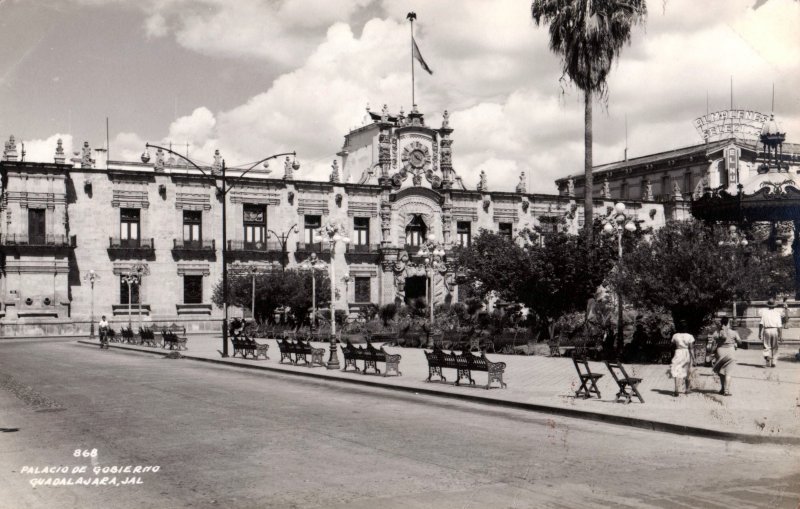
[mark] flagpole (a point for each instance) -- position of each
(413, 98)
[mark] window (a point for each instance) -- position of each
(311, 225)
(623, 191)
(255, 224)
(36, 226)
(123, 292)
(665, 190)
(464, 232)
(362, 289)
(192, 289)
(192, 226)
(687, 182)
(416, 231)
(506, 230)
(361, 231)
(129, 226)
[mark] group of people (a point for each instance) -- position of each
(723, 345)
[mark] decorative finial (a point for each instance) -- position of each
(288, 170)
(335, 172)
(676, 191)
(216, 167)
(385, 113)
(86, 156)
(59, 156)
(158, 165)
(367, 106)
(648, 191)
(571, 187)
(11, 149)
(482, 184)
(606, 189)
(521, 186)
(445, 120)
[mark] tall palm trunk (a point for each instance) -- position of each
(588, 188)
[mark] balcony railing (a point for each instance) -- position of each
(312, 247)
(193, 245)
(51, 240)
(118, 243)
(261, 246)
(363, 248)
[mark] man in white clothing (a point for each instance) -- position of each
(769, 331)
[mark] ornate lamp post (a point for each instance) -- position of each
(735, 239)
(252, 270)
(282, 238)
(433, 259)
(312, 263)
(346, 279)
(221, 184)
(617, 223)
(332, 233)
(91, 277)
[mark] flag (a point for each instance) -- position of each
(418, 56)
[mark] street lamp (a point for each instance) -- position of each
(282, 238)
(618, 222)
(332, 233)
(312, 263)
(346, 278)
(222, 191)
(252, 270)
(433, 259)
(91, 277)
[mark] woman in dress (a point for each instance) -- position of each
(683, 359)
(726, 341)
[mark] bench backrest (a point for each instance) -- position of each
(478, 363)
(617, 370)
(582, 364)
(375, 354)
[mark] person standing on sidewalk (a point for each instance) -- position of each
(102, 327)
(726, 340)
(770, 331)
(683, 359)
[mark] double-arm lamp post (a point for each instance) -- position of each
(221, 185)
(433, 258)
(282, 238)
(617, 223)
(332, 233)
(312, 263)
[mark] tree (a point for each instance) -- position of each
(692, 270)
(274, 289)
(550, 273)
(588, 35)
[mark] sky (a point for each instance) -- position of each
(257, 77)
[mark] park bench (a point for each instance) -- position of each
(147, 337)
(111, 335)
(555, 348)
(384, 337)
(245, 346)
(628, 385)
(371, 356)
(464, 364)
(301, 350)
(588, 379)
(174, 336)
(127, 335)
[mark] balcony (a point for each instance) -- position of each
(261, 250)
(51, 241)
(362, 252)
(131, 248)
(304, 250)
(194, 248)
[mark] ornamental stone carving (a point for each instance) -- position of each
(521, 186)
(86, 156)
(334, 177)
(482, 183)
(59, 156)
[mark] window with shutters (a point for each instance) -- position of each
(361, 231)
(123, 292)
(310, 226)
(464, 233)
(129, 230)
(192, 289)
(362, 289)
(255, 224)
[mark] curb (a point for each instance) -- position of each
(647, 424)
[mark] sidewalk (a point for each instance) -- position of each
(764, 408)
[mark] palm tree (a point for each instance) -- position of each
(588, 34)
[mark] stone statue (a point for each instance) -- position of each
(676, 191)
(570, 187)
(288, 173)
(86, 156)
(59, 156)
(158, 165)
(10, 152)
(385, 113)
(606, 189)
(216, 167)
(335, 172)
(648, 191)
(445, 120)
(521, 186)
(482, 184)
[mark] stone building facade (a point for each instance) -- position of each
(392, 185)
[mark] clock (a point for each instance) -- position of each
(417, 158)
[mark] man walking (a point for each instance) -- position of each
(770, 331)
(103, 329)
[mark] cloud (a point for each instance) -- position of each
(44, 149)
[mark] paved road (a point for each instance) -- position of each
(229, 438)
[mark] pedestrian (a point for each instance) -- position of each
(785, 314)
(682, 361)
(770, 331)
(103, 331)
(726, 340)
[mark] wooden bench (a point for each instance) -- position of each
(588, 379)
(301, 350)
(174, 336)
(147, 337)
(624, 382)
(245, 346)
(464, 364)
(371, 356)
(555, 348)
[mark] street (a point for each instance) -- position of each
(234, 438)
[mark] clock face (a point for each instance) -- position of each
(417, 158)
